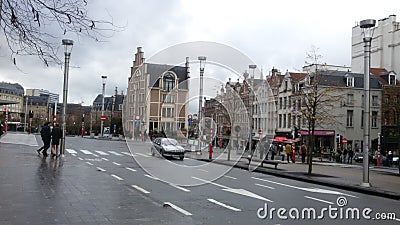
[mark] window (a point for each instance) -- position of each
(350, 81)
(280, 120)
(374, 119)
(386, 99)
(280, 103)
(284, 102)
(392, 79)
(284, 120)
(350, 99)
(168, 82)
(167, 98)
(374, 100)
(349, 118)
(362, 118)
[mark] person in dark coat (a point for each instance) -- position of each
(45, 133)
(56, 135)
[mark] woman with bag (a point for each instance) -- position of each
(56, 135)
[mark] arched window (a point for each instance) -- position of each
(168, 81)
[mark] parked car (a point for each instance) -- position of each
(167, 147)
(358, 157)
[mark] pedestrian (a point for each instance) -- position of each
(1, 129)
(350, 158)
(288, 150)
(322, 153)
(303, 150)
(45, 133)
(56, 135)
(344, 155)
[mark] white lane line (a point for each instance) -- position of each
(133, 170)
(100, 169)
(210, 182)
(319, 200)
(71, 151)
(89, 163)
(397, 219)
(127, 153)
(80, 158)
(264, 186)
(233, 178)
(180, 188)
(235, 190)
(144, 155)
(86, 152)
(140, 189)
(224, 205)
(203, 170)
(102, 153)
(151, 177)
(104, 159)
(178, 209)
(115, 153)
(116, 163)
(73, 155)
(314, 190)
(117, 177)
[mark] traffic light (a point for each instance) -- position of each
(30, 114)
(338, 138)
(4, 111)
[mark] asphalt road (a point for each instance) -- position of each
(196, 192)
(216, 194)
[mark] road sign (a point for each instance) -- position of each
(260, 131)
(103, 117)
(344, 140)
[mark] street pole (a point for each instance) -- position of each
(26, 111)
(67, 51)
(251, 100)
(368, 28)
(202, 60)
(104, 79)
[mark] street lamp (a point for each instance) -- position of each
(251, 100)
(367, 27)
(202, 60)
(68, 44)
(104, 79)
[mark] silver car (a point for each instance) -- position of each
(167, 147)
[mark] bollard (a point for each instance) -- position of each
(378, 160)
(210, 152)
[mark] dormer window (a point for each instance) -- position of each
(168, 81)
(392, 79)
(349, 81)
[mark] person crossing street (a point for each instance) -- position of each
(45, 133)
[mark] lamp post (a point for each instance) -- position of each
(367, 27)
(104, 79)
(202, 60)
(251, 67)
(68, 44)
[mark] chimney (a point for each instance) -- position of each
(187, 68)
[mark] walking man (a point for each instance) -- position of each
(288, 150)
(56, 135)
(303, 150)
(45, 133)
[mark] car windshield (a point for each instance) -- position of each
(169, 141)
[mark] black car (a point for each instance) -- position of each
(167, 147)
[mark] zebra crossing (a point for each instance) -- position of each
(97, 153)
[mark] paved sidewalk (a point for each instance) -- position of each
(385, 182)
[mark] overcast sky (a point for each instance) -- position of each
(271, 33)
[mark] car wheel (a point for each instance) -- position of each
(181, 157)
(162, 153)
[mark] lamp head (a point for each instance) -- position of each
(104, 78)
(67, 45)
(202, 60)
(367, 27)
(252, 66)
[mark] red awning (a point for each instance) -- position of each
(280, 139)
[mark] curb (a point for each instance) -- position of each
(359, 189)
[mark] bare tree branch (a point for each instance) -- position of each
(35, 27)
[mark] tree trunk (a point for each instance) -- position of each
(311, 147)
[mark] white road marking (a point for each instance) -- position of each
(151, 177)
(233, 178)
(178, 209)
(102, 153)
(236, 191)
(224, 205)
(140, 189)
(100, 169)
(397, 219)
(80, 158)
(315, 190)
(144, 155)
(104, 159)
(89, 163)
(71, 151)
(87, 152)
(117, 177)
(317, 199)
(203, 170)
(116, 163)
(180, 188)
(115, 153)
(73, 155)
(264, 186)
(127, 153)
(130, 169)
